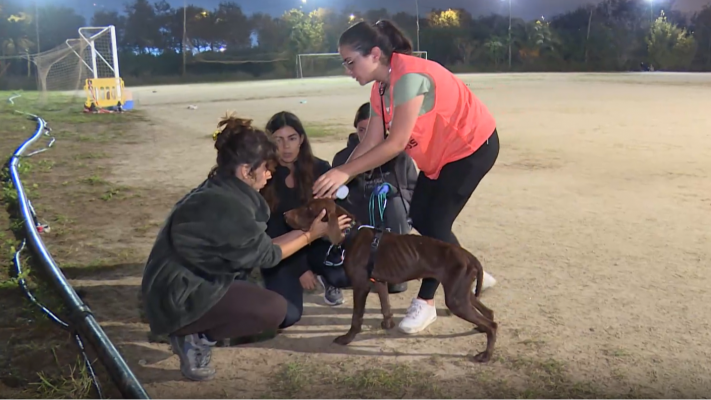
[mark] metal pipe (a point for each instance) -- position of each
(80, 316)
(37, 35)
(417, 13)
(185, 33)
(509, 34)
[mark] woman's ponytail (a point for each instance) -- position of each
(384, 34)
(393, 37)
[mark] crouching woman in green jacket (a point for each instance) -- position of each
(193, 283)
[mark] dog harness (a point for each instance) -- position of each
(373, 250)
(374, 245)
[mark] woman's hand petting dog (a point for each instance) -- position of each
(319, 228)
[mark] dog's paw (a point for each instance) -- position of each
(482, 357)
(387, 324)
(343, 340)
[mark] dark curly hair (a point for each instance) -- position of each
(237, 143)
(304, 165)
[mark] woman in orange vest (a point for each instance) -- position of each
(431, 114)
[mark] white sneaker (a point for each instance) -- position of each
(488, 282)
(419, 316)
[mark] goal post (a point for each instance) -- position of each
(335, 57)
(89, 62)
(104, 53)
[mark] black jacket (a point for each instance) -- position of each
(213, 235)
(362, 186)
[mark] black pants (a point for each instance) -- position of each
(246, 309)
(284, 278)
(437, 203)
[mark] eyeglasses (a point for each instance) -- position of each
(348, 64)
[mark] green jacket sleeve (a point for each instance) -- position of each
(218, 235)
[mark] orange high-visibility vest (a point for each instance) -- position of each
(458, 124)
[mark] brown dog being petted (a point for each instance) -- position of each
(383, 257)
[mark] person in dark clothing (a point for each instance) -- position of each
(399, 172)
(291, 188)
(194, 283)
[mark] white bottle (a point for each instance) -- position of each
(342, 192)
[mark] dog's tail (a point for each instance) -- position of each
(479, 273)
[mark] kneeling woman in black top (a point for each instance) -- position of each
(194, 283)
(291, 188)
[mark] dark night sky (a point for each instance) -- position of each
(527, 9)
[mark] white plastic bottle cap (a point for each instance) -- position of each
(342, 192)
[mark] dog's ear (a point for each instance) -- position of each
(342, 211)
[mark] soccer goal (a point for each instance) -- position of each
(312, 65)
(89, 62)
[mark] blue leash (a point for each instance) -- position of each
(378, 201)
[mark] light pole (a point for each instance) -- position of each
(185, 33)
(509, 34)
(37, 36)
(651, 11)
(417, 15)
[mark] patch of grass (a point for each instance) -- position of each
(292, 378)
(72, 383)
(304, 379)
(95, 180)
(29, 339)
(321, 131)
(396, 381)
(615, 352)
(90, 156)
(115, 193)
(147, 226)
(45, 165)
(505, 377)
(543, 378)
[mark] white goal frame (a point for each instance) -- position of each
(89, 34)
(300, 72)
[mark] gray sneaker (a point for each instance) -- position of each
(194, 357)
(205, 341)
(331, 295)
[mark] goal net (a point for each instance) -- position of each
(237, 63)
(314, 65)
(66, 68)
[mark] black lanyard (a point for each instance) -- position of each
(381, 90)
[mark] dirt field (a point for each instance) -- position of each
(594, 221)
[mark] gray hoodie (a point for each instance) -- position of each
(362, 186)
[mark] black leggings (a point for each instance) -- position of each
(245, 310)
(284, 278)
(437, 203)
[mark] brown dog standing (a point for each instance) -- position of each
(401, 258)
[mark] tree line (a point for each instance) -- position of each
(225, 43)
